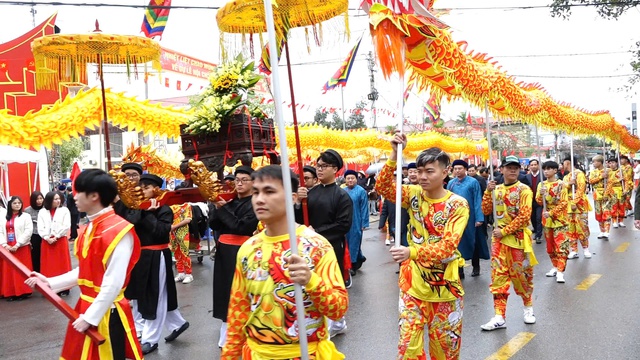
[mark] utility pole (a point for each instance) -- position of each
(373, 95)
(33, 13)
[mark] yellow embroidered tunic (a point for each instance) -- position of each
(556, 200)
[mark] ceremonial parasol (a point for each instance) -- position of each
(61, 60)
(249, 17)
(256, 16)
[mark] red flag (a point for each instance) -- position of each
(75, 171)
(521, 154)
(166, 82)
(469, 119)
(504, 152)
(188, 86)
(179, 85)
(513, 152)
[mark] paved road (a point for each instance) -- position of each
(600, 322)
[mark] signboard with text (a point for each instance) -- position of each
(174, 61)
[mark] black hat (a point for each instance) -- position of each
(230, 177)
(614, 159)
(152, 179)
(350, 172)
(132, 166)
(460, 162)
(338, 159)
(412, 165)
(244, 170)
(311, 169)
(62, 187)
(511, 159)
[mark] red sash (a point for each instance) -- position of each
(231, 239)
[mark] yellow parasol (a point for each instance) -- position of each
(63, 59)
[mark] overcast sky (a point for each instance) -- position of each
(514, 38)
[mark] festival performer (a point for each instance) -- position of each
(602, 202)
(310, 176)
(107, 251)
(360, 221)
(54, 222)
(266, 271)
(36, 201)
(614, 190)
(473, 244)
(512, 257)
(430, 288)
(578, 210)
(179, 244)
(553, 193)
(152, 291)
(627, 172)
(16, 228)
(236, 222)
(330, 215)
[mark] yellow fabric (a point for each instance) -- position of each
(556, 200)
(324, 350)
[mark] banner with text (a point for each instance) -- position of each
(183, 64)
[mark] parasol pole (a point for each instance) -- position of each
(544, 200)
(493, 198)
(305, 209)
(105, 123)
(573, 172)
(286, 177)
(48, 293)
(399, 162)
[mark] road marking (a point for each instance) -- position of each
(623, 247)
(586, 283)
(513, 346)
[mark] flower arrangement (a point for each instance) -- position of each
(228, 93)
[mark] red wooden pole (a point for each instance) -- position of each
(64, 308)
(105, 123)
(305, 210)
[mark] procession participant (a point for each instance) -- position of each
(627, 173)
(107, 250)
(578, 209)
(430, 288)
(360, 221)
(16, 228)
(54, 222)
(601, 200)
(73, 212)
(152, 291)
(133, 171)
(553, 193)
(179, 241)
(388, 218)
(512, 257)
(404, 214)
(473, 172)
(473, 244)
(330, 214)
(310, 176)
(35, 200)
(614, 190)
(236, 222)
(535, 178)
(267, 270)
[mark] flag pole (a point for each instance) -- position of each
(294, 111)
(493, 198)
(344, 121)
(286, 177)
(400, 160)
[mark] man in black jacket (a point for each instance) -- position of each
(535, 177)
(151, 289)
(330, 214)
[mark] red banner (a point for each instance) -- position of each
(183, 64)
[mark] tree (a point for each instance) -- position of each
(607, 10)
(354, 121)
(70, 151)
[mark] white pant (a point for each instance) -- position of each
(151, 330)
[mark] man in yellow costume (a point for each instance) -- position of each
(578, 210)
(602, 203)
(615, 191)
(262, 319)
(627, 173)
(512, 257)
(430, 288)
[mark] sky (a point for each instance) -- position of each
(527, 43)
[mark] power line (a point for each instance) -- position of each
(567, 54)
(575, 77)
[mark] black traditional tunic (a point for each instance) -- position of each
(152, 227)
(234, 218)
(330, 215)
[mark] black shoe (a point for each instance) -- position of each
(12, 298)
(475, 272)
(24, 296)
(352, 272)
(63, 293)
(175, 333)
(538, 241)
(148, 348)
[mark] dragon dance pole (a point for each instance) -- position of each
(573, 173)
(65, 309)
(400, 159)
(286, 177)
(493, 198)
(604, 162)
(105, 122)
(305, 209)
(544, 200)
(620, 167)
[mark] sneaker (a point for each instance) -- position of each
(605, 236)
(387, 242)
(337, 327)
(601, 235)
(587, 254)
(572, 255)
(529, 317)
(622, 225)
(496, 322)
(614, 225)
(180, 277)
(559, 279)
(552, 272)
(188, 279)
(348, 282)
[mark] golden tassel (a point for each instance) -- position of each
(347, 31)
